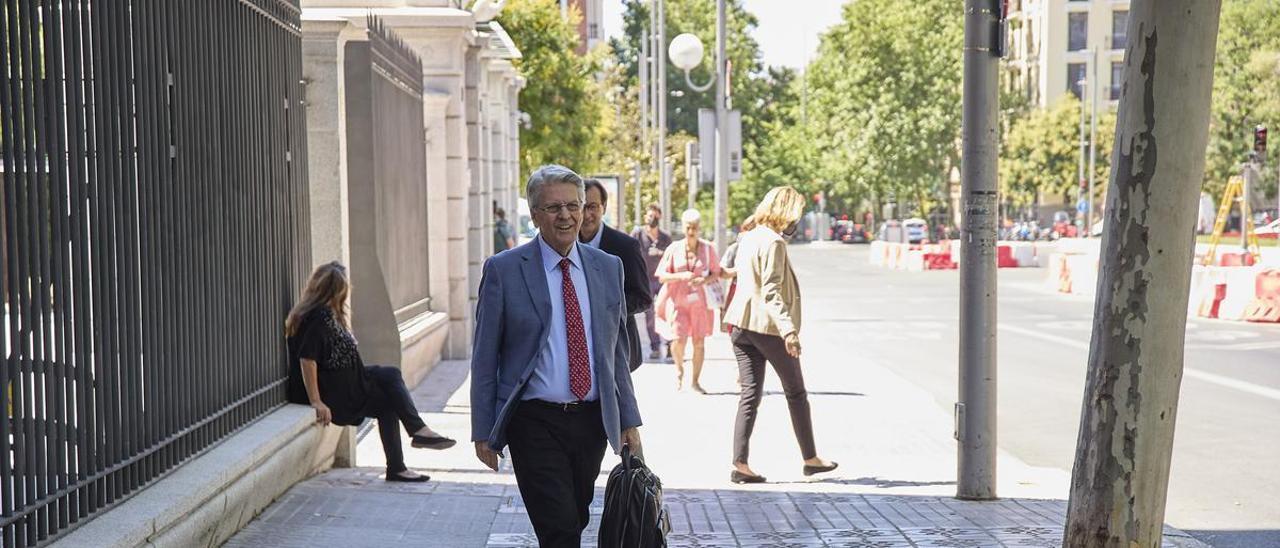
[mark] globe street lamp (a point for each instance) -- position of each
(686, 53)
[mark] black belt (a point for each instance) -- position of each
(566, 407)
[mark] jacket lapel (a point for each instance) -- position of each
(597, 297)
(535, 279)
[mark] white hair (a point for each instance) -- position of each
(551, 173)
(691, 216)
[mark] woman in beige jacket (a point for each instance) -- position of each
(765, 315)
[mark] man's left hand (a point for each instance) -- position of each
(631, 437)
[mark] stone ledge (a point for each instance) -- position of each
(206, 500)
(422, 341)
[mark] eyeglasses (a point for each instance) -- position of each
(555, 209)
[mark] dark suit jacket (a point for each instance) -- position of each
(635, 286)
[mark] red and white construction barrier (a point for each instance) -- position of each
(946, 255)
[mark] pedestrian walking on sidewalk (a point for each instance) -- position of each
(691, 291)
(599, 235)
(326, 372)
(654, 241)
(765, 315)
(551, 379)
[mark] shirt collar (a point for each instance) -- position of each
(551, 258)
(595, 241)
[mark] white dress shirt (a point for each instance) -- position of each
(595, 241)
(550, 380)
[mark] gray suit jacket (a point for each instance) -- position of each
(512, 320)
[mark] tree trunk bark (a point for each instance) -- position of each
(1121, 475)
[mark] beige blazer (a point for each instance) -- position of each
(767, 299)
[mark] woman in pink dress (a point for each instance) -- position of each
(687, 267)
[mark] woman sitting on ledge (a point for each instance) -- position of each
(326, 373)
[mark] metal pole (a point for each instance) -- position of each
(644, 95)
(1246, 186)
(1084, 85)
(668, 173)
(976, 410)
(1093, 140)
(722, 152)
(691, 172)
(660, 41)
(636, 182)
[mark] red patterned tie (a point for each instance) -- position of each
(579, 362)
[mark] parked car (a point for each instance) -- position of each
(853, 233)
(917, 230)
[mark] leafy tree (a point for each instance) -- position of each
(888, 125)
(565, 103)
(1244, 91)
(1041, 155)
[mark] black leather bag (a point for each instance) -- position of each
(634, 516)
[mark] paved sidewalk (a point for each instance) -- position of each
(894, 486)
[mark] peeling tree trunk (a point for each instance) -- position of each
(1121, 474)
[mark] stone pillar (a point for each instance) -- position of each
(323, 42)
(435, 121)
(442, 43)
(513, 145)
(476, 195)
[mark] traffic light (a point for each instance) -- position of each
(1260, 141)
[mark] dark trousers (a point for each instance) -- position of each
(556, 455)
(752, 350)
(655, 340)
(389, 402)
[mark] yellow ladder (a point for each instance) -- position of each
(1235, 189)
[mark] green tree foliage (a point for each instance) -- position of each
(764, 96)
(566, 105)
(1244, 86)
(1040, 157)
(883, 101)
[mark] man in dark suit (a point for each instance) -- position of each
(549, 377)
(609, 240)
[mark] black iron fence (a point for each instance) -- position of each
(154, 235)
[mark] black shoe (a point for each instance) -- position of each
(811, 470)
(396, 477)
(738, 477)
(432, 442)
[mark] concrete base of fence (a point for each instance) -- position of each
(205, 501)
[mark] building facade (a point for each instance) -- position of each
(1060, 46)
(591, 23)
(419, 245)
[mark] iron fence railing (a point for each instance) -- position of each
(155, 233)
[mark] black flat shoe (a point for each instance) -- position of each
(396, 477)
(739, 477)
(811, 470)
(432, 442)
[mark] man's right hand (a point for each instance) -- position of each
(486, 455)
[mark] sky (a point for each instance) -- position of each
(788, 35)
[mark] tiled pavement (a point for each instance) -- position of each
(354, 507)
(892, 489)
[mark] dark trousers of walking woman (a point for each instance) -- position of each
(389, 402)
(753, 350)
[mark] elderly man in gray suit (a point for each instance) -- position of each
(549, 374)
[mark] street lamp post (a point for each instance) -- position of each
(664, 179)
(1083, 85)
(686, 53)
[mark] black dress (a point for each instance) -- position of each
(344, 385)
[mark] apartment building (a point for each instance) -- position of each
(591, 26)
(1060, 46)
